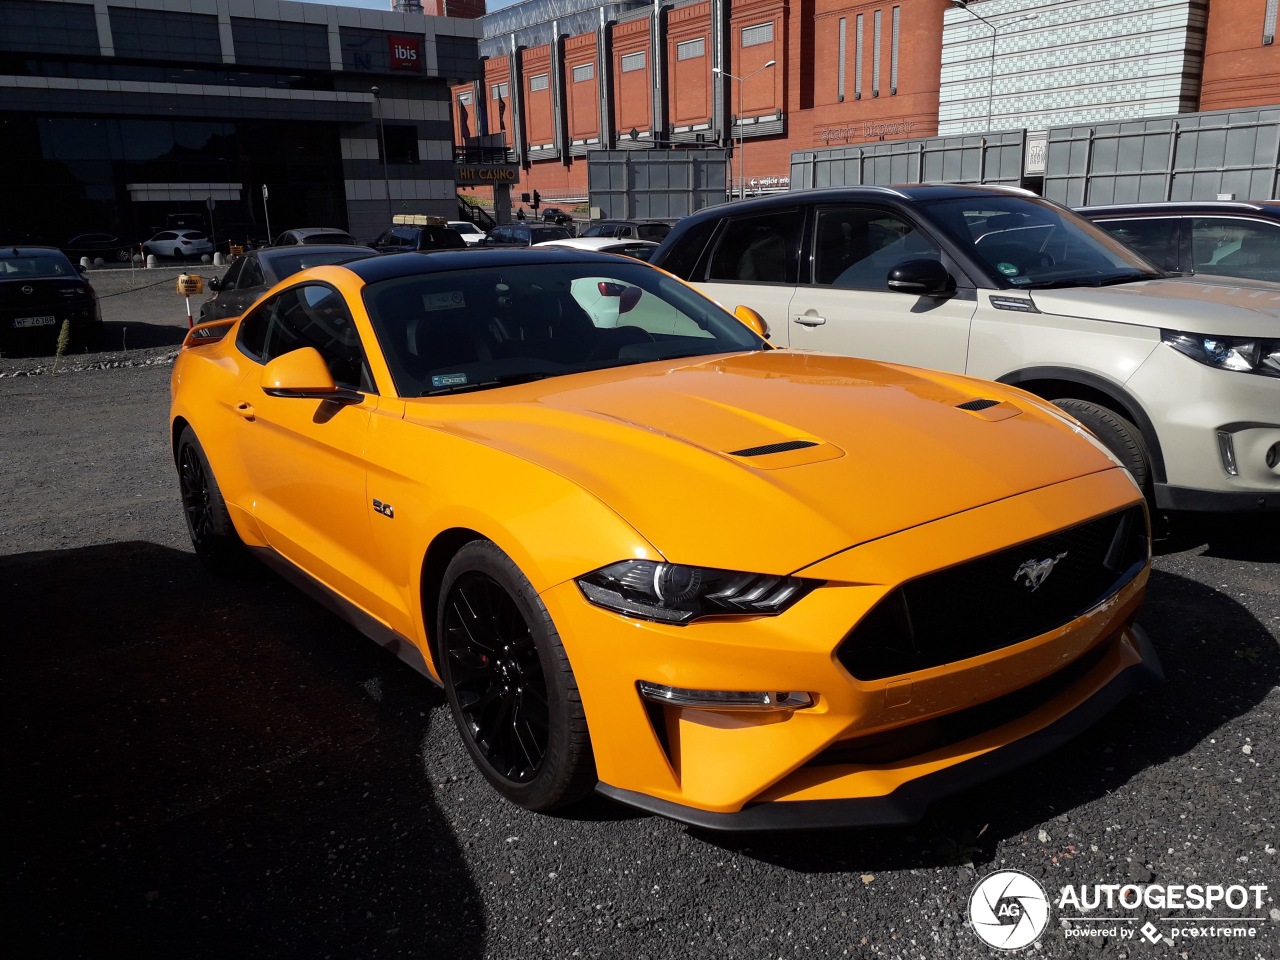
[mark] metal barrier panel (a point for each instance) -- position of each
(663, 184)
(990, 158)
(1194, 156)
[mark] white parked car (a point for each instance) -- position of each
(471, 234)
(178, 243)
(1179, 377)
(639, 249)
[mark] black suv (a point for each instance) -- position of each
(655, 230)
(1223, 238)
(408, 239)
(557, 216)
(41, 294)
(523, 235)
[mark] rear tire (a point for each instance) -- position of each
(509, 683)
(209, 524)
(1118, 435)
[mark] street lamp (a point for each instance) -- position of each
(991, 64)
(382, 148)
(742, 142)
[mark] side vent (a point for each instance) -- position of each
(769, 448)
(980, 403)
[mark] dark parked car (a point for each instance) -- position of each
(557, 216)
(407, 239)
(655, 230)
(40, 292)
(108, 246)
(314, 235)
(523, 235)
(259, 270)
(1222, 238)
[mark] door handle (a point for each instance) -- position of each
(810, 320)
(245, 410)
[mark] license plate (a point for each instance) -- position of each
(35, 321)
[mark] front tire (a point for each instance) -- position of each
(209, 524)
(1118, 435)
(509, 683)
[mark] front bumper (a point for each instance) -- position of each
(866, 751)
(907, 803)
(1198, 411)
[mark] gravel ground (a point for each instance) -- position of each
(203, 769)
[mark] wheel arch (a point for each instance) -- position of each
(175, 431)
(442, 549)
(1061, 383)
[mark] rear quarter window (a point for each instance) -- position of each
(681, 255)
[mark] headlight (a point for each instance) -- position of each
(1244, 354)
(673, 593)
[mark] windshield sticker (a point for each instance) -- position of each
(448, 380)
(1008, 269)
(443, 301)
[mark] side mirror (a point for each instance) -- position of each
(924, 278)
(215, 284)
(302, 373)
(752, 320)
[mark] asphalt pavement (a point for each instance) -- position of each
(204, 769)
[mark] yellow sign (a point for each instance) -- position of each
(190, 284)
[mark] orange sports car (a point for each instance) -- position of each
(646, 554)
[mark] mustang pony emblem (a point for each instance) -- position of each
(1036, 572)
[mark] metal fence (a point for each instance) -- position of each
(663, 184)
(989, 158)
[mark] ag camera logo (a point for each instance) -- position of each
(1008, 910)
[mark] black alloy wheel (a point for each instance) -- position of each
(509, 683)
(209, 524)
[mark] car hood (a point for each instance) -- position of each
(1219, 306)
(687, 452)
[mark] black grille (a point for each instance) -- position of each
(994, 602)
(979, 404)
(782, 447)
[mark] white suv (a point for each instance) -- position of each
(1179, 377)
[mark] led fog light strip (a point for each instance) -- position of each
(723, 699)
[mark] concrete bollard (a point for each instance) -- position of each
(151, 261)
(84, 262)
(99, 262)
(204, 258)
(217, 259)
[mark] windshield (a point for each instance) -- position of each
(1027, 243)
(493, 326)
(28, 265)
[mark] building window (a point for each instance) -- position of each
(632, 62)
(840, 61)
(857, 58)
(584, 71)
(1269, 23)
(875, 55)
(538, 83)
(691, 49)
(754, 36)
(893, 54)
(402, 143)
(501, 91)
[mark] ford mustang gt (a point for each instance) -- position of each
(648, 555)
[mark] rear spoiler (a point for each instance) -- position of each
(203, 334)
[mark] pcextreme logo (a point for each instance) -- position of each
(1010, 910)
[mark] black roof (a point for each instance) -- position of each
(301, 250)
(393, 265)
(1264, 208)
(30, 250)
(904, 193)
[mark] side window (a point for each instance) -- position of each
(1236, 248)
(251, 275)
(1156, 238)
(231, 280)
(856, 247)
(759, 249)
(310, 315)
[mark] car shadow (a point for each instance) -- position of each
(199, 768)
(1231, 536)
(129, 335)
(1219, 663)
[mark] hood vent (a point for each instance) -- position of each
(769, 448)
(980, 403)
